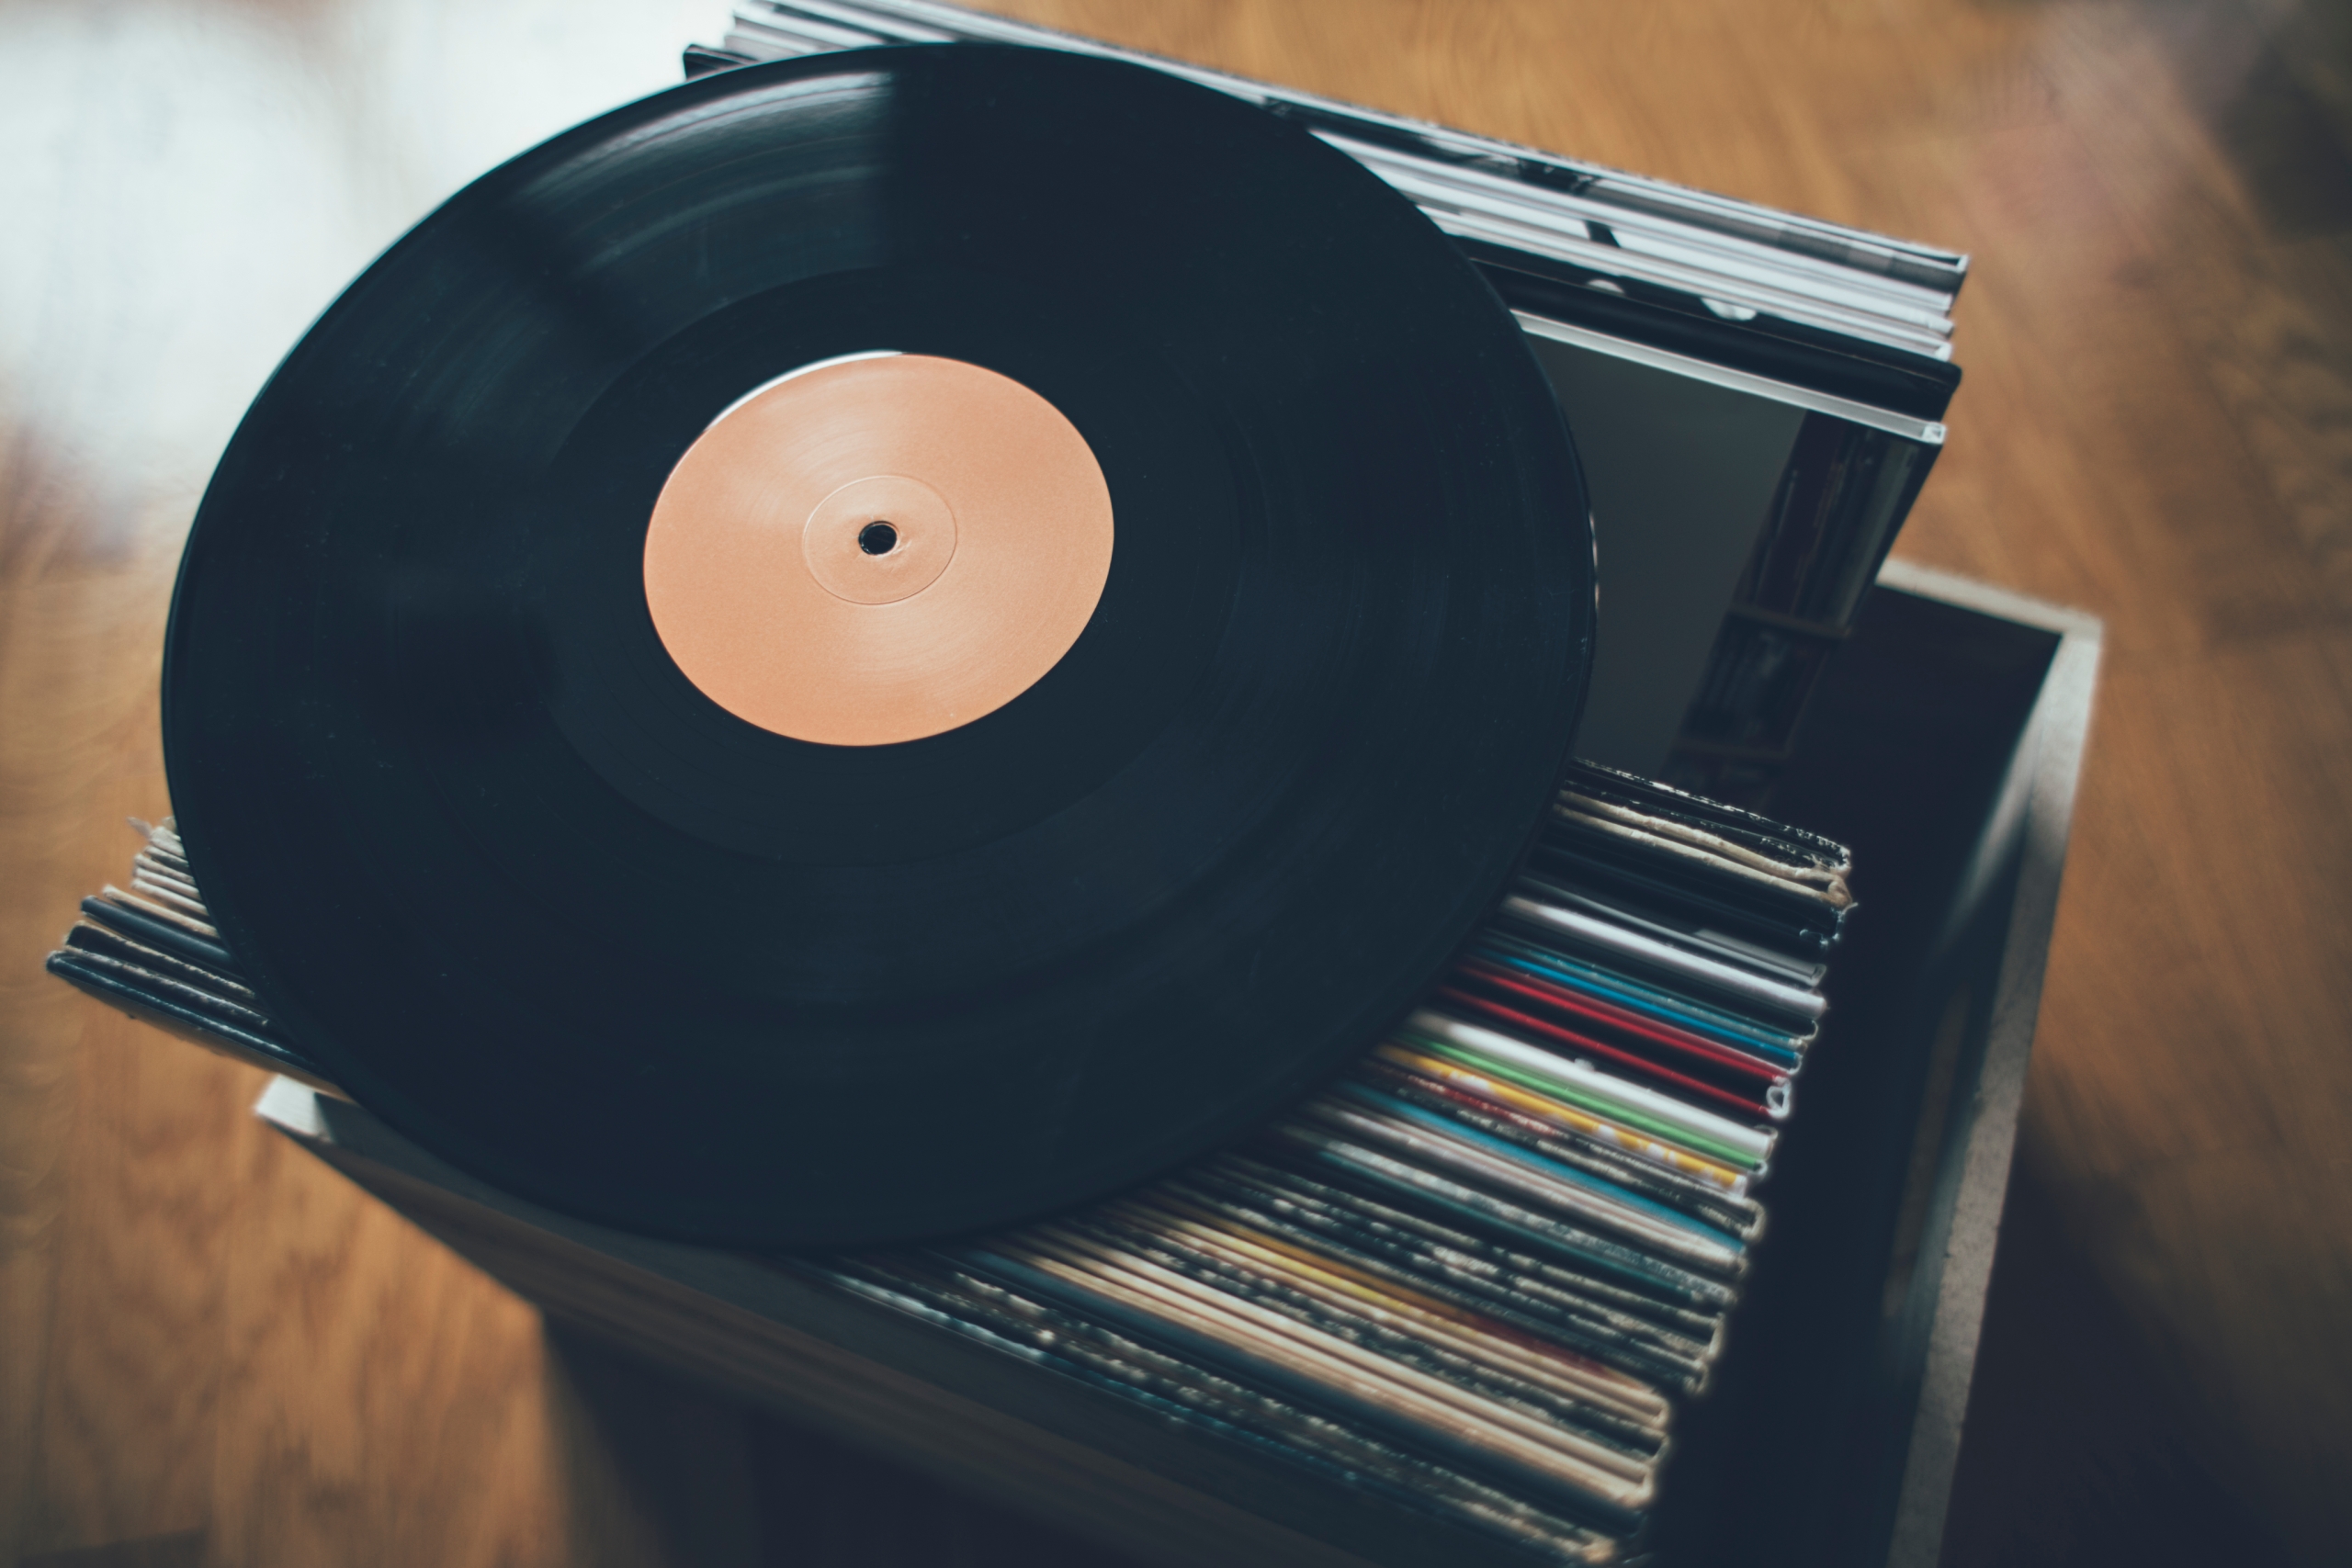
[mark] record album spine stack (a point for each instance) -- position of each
(1648, 302)
(1480, 1273)
(1476, 1275)
(152, 950)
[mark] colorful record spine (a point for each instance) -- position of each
(1476, 1275)
(1500, 1251)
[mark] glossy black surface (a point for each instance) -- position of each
(480, 846)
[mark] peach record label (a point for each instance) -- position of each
(877, 549)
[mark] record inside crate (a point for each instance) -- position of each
(1759, 395)
(898, 641)
(1478, 1274)
(960, 661)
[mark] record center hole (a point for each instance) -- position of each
(878, 538)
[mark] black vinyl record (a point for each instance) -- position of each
(527, 890)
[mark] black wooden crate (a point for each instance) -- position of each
(1943, 745)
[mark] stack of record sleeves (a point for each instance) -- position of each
(1652, 308)
(151, 950)
(1478, 1273)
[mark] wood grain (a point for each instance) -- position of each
(211, 1350)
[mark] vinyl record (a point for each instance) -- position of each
(883, 644)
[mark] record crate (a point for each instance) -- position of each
(1944, 745)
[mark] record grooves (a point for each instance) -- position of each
(480, 841)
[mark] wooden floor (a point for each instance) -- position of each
(212, 1351)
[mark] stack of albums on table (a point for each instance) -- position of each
(1478, 1274)
(1484, 1273)
(1756, 396)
